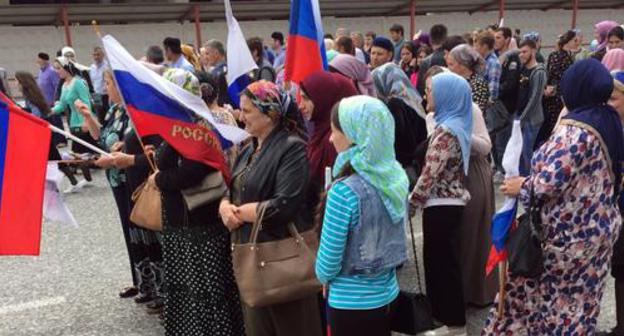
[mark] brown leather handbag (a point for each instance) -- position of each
(276, 271)
(146, 212)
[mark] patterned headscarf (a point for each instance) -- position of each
(391, 82)
(183, 79)
(348, 65)
(365, 121)
(267, 96)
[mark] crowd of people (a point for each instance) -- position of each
(408, 127)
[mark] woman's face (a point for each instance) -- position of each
(429, 94)
(256, 123)
(306, 106)
(617, 101)
(421, 56)
(614, 42)
(456, 67)
(113, 94)
(339, 140)
(406, 56)
(60, 71)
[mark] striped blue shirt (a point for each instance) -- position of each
(353, 292)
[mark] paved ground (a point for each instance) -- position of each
(71, 288)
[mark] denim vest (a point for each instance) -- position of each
(375, 243)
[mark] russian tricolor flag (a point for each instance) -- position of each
(24, 146)
(505, 218)
(157, 106)
(305, 52)
(239, 60)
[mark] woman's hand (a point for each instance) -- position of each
(116, 147)
(105, 161)
(227, 211)
(82, 108)
(512, 186)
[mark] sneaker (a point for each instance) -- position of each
(442, 331)
(76, 187)
(498, 178)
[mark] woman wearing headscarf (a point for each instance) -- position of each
(320, 91)
(396, 91)
(360, 74)
(465, 61)
(617, 261)
(475, 242)
(74, 88)
(558, 62)
(202, 296)
(442, 192)
(601, 32)
(575, 179)
(365, 207)
(271, 176)
(614, 60)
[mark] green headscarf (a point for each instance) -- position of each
(367, 122)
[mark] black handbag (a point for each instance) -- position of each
(411, 313)
(524, 245)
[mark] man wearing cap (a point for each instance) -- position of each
(173, 54)
(382, 52)
(47, 79)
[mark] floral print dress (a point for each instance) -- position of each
(480, 91)
(581, 222)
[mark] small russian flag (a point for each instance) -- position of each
(239, 61)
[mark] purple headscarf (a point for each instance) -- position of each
(424, 39)
(603, 28)
(355, 69)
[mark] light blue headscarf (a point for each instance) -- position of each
(453, 108)
(367, 122)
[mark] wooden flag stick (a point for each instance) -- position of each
(502, 281)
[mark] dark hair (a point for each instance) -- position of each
(617, 32)
(43, 56)
(209, 86)
(493, 27)
(452, 42)
(397, 28)
(255, 44)
(346, 43)
(328, 36)
(506, 32)
(278, 36)
(425, 48)
(486, 39)
(59, 53)
(70, 68)
(347, 170)
(438, 34)
(371, 34)
(31, 91)
(154, 55)
(173, 44)
(566, 38)
(411, 48)
(528, 43)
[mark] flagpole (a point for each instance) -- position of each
(96, 28)
(78, 140)
(502, 279)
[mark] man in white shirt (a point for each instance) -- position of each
(96, 73)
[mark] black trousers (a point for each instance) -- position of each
(442, 270)
(123, 206)
(373, 322)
